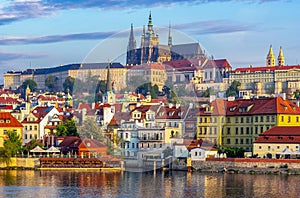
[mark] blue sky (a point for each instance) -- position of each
(38, 33)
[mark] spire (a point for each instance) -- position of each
(150, 25)
(132, 42)
(270, 60)
(280, 58)
(170, 36)
(108, 80)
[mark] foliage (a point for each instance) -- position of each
(234, 152)
(11, 147)
(208, 92)
(51, 82)
(147, 88)
(90, 128)
(69, 84)
(101, 86)
(297, 94)
(31, 83)
(31, 145)
(67, 128)
(233, 89)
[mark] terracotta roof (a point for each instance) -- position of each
(172, 113)
(261, 106)
(222, 63)
(218, 108)
(8, 120)
(84, 106)
(265, 68)
(41, 112)
(280, 134)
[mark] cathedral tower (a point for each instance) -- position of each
(270, 60)
(280, 58)
(109, 96)
(170, 36)
(131, 49)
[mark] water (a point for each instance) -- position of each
(131, 184)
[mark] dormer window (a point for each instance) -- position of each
(8, 121)
(232, 109)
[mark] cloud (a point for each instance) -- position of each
(215, 27)
(16, 40)
(8, 56)
(17, 10)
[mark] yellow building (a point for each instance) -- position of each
(245, 119)
(12, 80)
(9, 123)
(279, 141)
(211, 121)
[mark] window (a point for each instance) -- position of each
(247, 130)
(297, 119)
(30, 136)
(30, 127)
(4, 132)
(261, 129)
(247, 141)
(289, 119)
(273, 118)
(228, 131)
(268, 119)
(196, 153)
(278, 147)
(256, 130)
(26, 128)
(228, 120)
(261, 118)
(242, 130)
(35, 127)
(154, 146)
(26, 137)
(256, 118)
(126, 135)
(228, 141)
(282, 119)
(242, 120)
(259, 147)
(215, 130)
(269, 148)
(132, 145)
(242, 141)
(236, 130)
(236, 141)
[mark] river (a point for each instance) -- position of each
(147, 184)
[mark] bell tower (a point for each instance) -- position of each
(280, 58)
(270, 60)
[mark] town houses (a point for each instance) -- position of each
(166, 98)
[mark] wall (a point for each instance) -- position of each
(216, 164)
(22, 162)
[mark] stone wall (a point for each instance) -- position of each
(22, 162)
(216, 164)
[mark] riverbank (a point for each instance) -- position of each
(248, 165)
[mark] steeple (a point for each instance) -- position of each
(280, 58)
(108, 81)
(170, 36)
(270, 60)
(109, 97)
(132, 42)
(150, 25)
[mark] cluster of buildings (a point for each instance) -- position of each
(263, 120)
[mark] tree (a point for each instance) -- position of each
(233, 89)
(51, 82)
(90, 129)
(154, 91)
(67, 128)
(297, 94)
(101, 86)
(32, 144)
(69, 84)
(11, 147)
(31, 83)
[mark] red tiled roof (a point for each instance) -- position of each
(265, 68)
(13, 122)
(218, 108)
(84, 106)
(41, 112)
(280, 134)
(172, 113)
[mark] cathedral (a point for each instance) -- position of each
(151, 51)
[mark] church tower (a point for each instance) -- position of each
(131, 49)
(109, 96)
(170, 36)
(270, 61)
(280, 58)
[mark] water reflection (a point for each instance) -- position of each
(135, 184)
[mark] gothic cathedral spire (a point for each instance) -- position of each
(131, 48)
(270, 60)
(280, 58)
(170, 36)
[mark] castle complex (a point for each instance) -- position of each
(152, 51)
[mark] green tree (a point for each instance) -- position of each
(31, 83)
(67, 128)
(89, 129)
(51, 82)
(31, 145)
(11, 147)
(233, 89)
(297, 94)
(154, 91)
(69, 84)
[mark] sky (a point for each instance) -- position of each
(48, 33)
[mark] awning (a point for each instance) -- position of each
(37, 149)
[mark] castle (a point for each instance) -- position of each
(151, 51)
